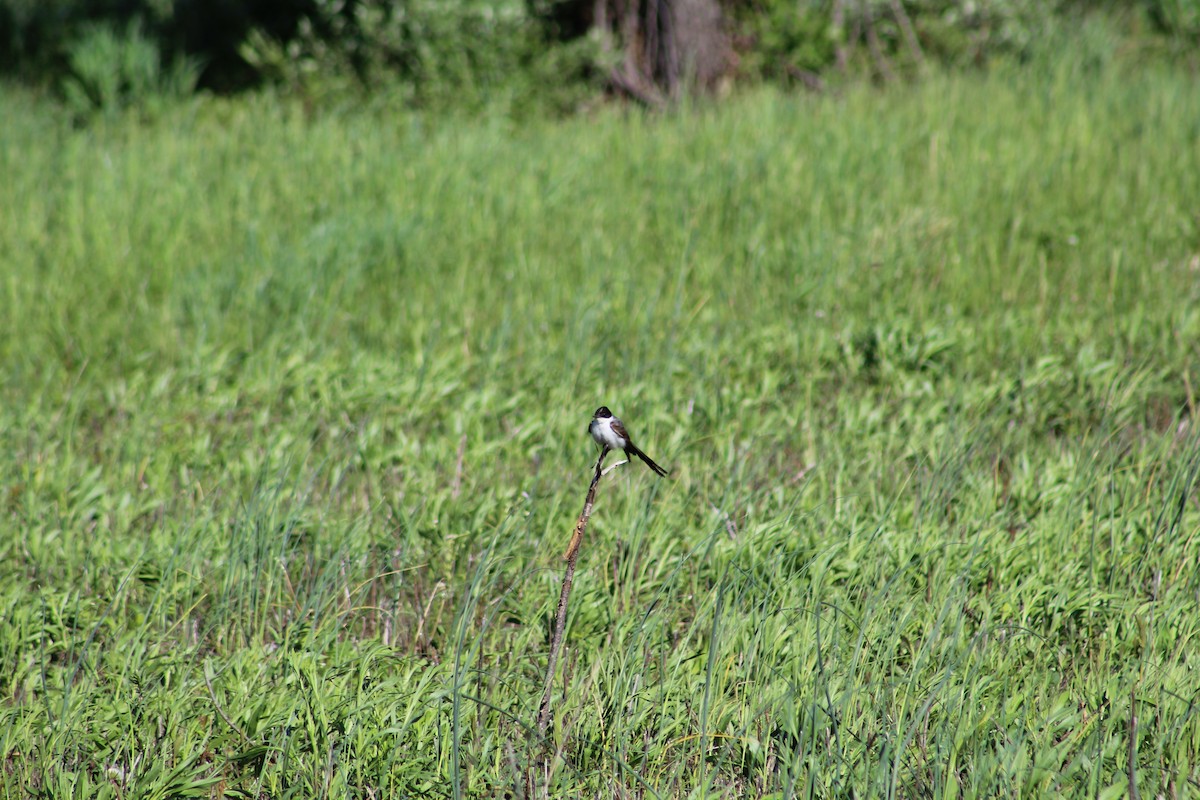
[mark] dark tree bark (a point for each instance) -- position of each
(663, 48)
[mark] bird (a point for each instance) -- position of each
(609, 432)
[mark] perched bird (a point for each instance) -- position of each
(609, 432)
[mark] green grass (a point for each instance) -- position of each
(923, 362)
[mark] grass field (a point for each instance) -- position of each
(292, 441)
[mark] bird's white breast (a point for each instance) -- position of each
(602, 431)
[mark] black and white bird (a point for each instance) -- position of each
(609, 432)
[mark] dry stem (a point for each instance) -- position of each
(560, 620)
(1133, 722)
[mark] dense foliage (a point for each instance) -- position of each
(554, 53)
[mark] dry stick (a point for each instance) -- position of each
(217, 706)
(910, 35)
(876, 48)
(1133, 789)
(456, 486)
(560, 621)
(839, 22)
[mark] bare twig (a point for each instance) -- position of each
(876, 47)
(906, 28)
(1133, 790)
(730, 525)
(212, 694)
(807, 78)
(839, 25)
(607, 470)
(456, 486)
(1191, 397)
(560, 620)
(424, 645)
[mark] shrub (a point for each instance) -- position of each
(112, 68)
(785, 39)
(1177, 17)
(441, 54)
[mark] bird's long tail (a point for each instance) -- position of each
(631, 449)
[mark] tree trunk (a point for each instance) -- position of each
(667, 47)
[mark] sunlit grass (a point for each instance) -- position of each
(294, 409)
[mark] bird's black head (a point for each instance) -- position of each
(602, 413)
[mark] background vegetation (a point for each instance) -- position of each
(523, 55)
(292, 418)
